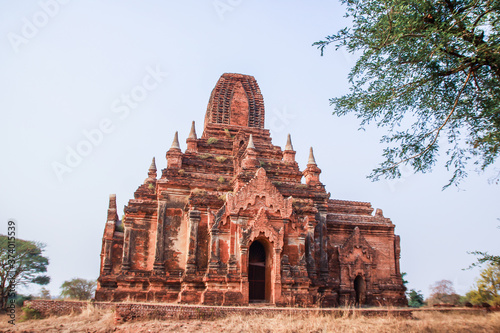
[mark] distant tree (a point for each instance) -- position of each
(21, 263)
(415, 298)
(428, 70)
(20, 298)
(77, 288)
(443, 292)
(44, 293)
(487, 289)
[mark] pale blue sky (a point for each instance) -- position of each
(65, 73)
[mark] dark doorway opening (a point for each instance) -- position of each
(360, 289)
(257, 272)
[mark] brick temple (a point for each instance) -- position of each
(233, 220)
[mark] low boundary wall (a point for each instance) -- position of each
(137, 311)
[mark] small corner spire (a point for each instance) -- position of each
(112, 201)
(112, 214)
(192, 134)
(311, 159)
(152, 167)
(288, 145)
(175, 143)
(250, 143)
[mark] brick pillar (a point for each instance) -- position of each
(213, 263)
(159, 264)
(126, 245)
(109, 231)
(323, 264)
(194, 221)
(107, 256)
(302, 265)
(244, 274)
(397, 253)
(244, 261)
(276, 295)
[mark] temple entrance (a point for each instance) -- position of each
(257, 272)
(360, 289)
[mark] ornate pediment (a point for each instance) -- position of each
(356, 249)
(260, 226)
(259, 192)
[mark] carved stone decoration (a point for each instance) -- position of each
(354, 248)
(247, 196)
(261, 226)
(356, 257)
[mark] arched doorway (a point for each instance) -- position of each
(360, 289)
(257, 272)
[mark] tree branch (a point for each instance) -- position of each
(438, 130)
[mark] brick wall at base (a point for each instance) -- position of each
(134, 311)
(60, 308)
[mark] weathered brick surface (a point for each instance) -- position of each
(188, 234)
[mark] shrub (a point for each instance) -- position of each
(119, 226)
(29, 313)
(205, 156)
(415, 299)
(221, 159)
(221, 180)
(212, 140)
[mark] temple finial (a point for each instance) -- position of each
(192, 134)
(250, 143)
(175, 143)
(112, 201)
(152, 167)
(311, 157)
(288, 145)
(112, 215)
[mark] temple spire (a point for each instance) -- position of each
(311, 157)
(112, 213)
(288, 145)
(174, 154)
(175, 143)
(250, 143)
(112, 201)
(151, 173)
(152, 167)
(312, 172)
(192, 134)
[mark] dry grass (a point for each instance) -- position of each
(90, 320)
(102, 321)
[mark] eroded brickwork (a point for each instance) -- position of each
(187, 236)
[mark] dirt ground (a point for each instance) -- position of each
(103, 321)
